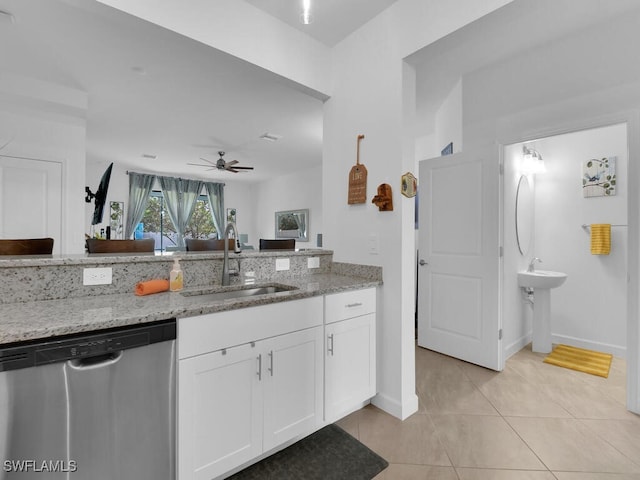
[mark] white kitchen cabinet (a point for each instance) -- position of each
(350, 352)
(220, 401)
(292, 381)
(236, 403)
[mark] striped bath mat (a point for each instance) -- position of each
(588, 361)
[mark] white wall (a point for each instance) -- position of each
(296, 191)
(447, 127)
(48, 122)
(243, 197)
(449, 120)
(371, 92)
(517, 313)
(590, 309)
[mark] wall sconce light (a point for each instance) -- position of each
(305, 16)
(532, 162)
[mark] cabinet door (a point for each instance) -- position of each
(350, 368)
(219, 411)
(292, 380)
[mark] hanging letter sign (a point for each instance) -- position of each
(357, 180)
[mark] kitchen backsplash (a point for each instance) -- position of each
(24, 280)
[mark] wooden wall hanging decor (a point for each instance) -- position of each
(384, 199)
(357, 180)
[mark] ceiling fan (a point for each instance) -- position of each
(221, 164)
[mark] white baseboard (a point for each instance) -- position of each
(395, 408)
(615, 350)
(516, 346)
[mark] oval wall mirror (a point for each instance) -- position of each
(524, 214)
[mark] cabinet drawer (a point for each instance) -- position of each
(213, 331)
(340, 306)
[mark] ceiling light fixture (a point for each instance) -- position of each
(305, 16)
(270, 137)
(532, 161)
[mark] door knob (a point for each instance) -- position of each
(422, 263)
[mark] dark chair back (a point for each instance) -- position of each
(286, 244)
(196, 245)
(96, 245)
(27, 246)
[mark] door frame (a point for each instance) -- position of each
(632, 121)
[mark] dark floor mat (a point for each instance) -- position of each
(328, 454)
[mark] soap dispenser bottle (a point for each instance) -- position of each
(176, 278)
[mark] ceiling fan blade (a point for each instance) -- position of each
(243, 168)
(201, 165)
(232, 162)
(233, 170)
(208, 161)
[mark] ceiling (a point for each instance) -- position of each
(332, 20)
(154, 92)
(506, 33)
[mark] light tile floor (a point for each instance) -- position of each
(533, 421)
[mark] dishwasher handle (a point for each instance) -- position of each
(98, 361)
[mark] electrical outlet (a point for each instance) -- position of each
(282, 264)
(313, 262)
(97, 276)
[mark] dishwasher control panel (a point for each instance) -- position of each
(84, 345)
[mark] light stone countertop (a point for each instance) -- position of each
(49, 318)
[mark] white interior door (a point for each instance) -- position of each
(31, 199)
(459, 257)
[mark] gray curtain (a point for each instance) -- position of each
(140, 186)
(301, 223)
(180, 197)
(215, 192)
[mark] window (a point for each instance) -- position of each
(157, 224)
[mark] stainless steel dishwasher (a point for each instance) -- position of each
(97, 406)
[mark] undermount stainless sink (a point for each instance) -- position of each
(541, 279)
(226, 293)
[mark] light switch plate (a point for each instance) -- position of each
(282, 264)
(97, 276)
(374, 244)
(313, 262)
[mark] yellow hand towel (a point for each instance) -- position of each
(600, 238)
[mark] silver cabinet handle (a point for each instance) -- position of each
(422, 263)
(259, 372)
(271, 363)
(330, 344)
(351, 305)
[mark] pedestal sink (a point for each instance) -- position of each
(542, 281)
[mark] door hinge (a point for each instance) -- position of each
(502, 169)
(500, 334)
